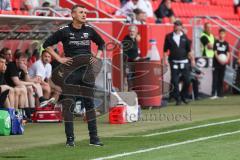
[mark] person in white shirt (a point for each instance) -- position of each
(42, 70)
(140, 17)
(146, 6)
(127, 9)
(5, 5)
(29, 5)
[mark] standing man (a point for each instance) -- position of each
(207, 40)
(179, 46)
(220, 47)
(76, 38)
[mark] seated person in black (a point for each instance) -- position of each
(16, 76)
(165, 10)
(131, 51)
(130, 44)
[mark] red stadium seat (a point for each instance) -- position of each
(7, 12)
(16, 4)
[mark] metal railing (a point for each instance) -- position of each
(57, 12)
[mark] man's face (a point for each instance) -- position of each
(135, 2)
(208, 28)
(79, 15)
(141, 17)
(168, 4)
(8, 56)
(222, 35)
(133, 32)
(46, 58)
(3, 66)
(177, 28)
(21, 62)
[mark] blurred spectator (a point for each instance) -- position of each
(46, 4)
(207, 41)
(6, 92)
(186, 1)
(140, 16)
(5, 5)
(131, 53)
(236, 5)
(16, 75)
(123, 2)
(165, 10)
(42, 70)
(146, 6)
(130, 44)
(127, 9)
(29, 5)
(7, 53)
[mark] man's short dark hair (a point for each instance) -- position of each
(2, 56)
(77, 6)
(222, 30)
(44, 51)
(4, 50)
(19, 55)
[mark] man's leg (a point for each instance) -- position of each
(175, 83)
(68, 107)
(55, 90)
(21, 94)
(195, 84)
(10, 100)
(46, 90)
(214, 81)
(31, 99)
(186, 82)
(220, 82)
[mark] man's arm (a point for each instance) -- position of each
(206, 42)
(99, 42)
(165, 50)
(18, 82)
(192, 58)
(48, 46)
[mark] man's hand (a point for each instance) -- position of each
(65, 60)
(23, 67)
(165, 61)
(37, 79)
(93, 60)
(193, 63)
(239, 61)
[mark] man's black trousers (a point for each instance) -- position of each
(218, 78)
(177, 71)
(83, 77)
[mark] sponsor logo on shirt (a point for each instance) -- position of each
(85, 35)
(80, 43)
(222, 48)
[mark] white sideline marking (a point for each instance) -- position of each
(168, 145)
(194, 127)
(182, 129)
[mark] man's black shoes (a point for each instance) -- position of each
(94, 141)
(70, 142)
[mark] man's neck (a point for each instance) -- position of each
(43, 62)
(221, 40)
(208, 33)
(178, 32)
(77, 25)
